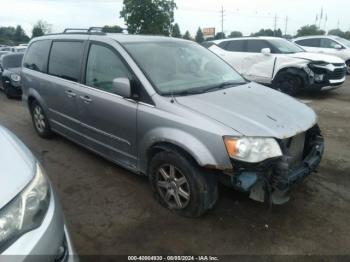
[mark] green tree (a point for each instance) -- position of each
(6, 35)
(337, 32)
(176, 31)
(20, 36)
(41, 28)
(309, 30)
(347, 35)
(187, 36)
(199, 36)
(235, 34)
(112, 29)
(220, 35)
(148, 16)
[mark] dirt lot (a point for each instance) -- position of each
(111, 211)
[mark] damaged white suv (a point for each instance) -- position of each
(280, 64)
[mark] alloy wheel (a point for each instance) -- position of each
(39, 119)
(173, 187)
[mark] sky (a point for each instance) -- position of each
(246, 16)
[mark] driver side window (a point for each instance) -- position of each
(103, 66)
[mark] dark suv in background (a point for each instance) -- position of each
(10, 69)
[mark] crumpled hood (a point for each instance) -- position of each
(318, 57)
(253, 110)
(17, 166)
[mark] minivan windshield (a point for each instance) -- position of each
(12, 60)
(285, 47)
(182, 68)
(343, 41)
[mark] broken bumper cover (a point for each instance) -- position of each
(271, 180)
(330, 79)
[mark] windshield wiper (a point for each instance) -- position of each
(222, 86)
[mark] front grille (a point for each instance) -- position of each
(294, 149)
(338, 73)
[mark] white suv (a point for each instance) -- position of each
(332, 45)
(280, 64)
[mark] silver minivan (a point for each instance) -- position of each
(172, 110)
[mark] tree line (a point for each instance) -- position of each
(155, 17)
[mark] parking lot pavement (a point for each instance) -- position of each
(111, 211)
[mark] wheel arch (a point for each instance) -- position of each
(299, 72)
(32, 96)
(170, 139)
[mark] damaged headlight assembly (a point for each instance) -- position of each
(252, 149)
(26, 211)
(320, 70)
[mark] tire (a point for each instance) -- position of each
(348, 67)
(40, 121)
(288, 83)
(6, 91)
(196, 190)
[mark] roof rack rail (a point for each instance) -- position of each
(91, 30)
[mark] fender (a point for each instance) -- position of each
(33, 94)
(187, 142)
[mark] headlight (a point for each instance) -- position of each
(251, 149)
(15, 77)
(26, 211)
(319, 77)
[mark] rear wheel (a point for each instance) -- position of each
(40, 121)
(181, 186)
(288, 83)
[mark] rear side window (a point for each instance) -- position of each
(235, 46)
(312, 42)
(104, 65)
(328, 43)
(255, 46)
(36, 57)
(65, 59)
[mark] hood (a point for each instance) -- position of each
(318, 57)
(16, 70)
(253, 110)
(17, 166)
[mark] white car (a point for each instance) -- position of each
(280, 64)
(327, 44)
(18, 49)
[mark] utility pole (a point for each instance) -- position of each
(285, 29)
(222, 21)
(275, 25)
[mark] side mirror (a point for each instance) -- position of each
(338, 47)
(266, 51)
(122, 87)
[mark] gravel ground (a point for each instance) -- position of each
(111, 211)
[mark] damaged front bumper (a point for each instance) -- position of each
(322, 78)
(271, 180)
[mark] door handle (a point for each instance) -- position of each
(70, 93)
(86, 99)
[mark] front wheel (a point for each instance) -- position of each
(348, 67)
(181, 186)
(287, 83)
(6, 91)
